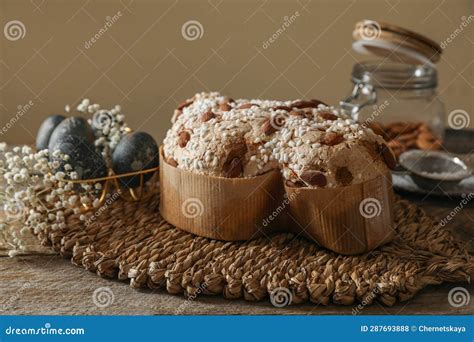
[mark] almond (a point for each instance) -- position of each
(306, 104)
(295, 184)
(268, 128)
(288, 109)
(410, 143)
(397, 147)
(303, 104)
(236, 150)
(344, 176)
(176, 115)
(372, 148)
(394, 144)
(225, 107)
(233, 165)
(184, 104)
(172, 162)
(388, 156)
(424, 128)
(425, 144)
(207, 116)
(413, 126)
(313, 177)
(328, 116)
(377, 128)
(332, 139)
(407, 136)
(183, 139)
(397, 128)
(297, 113)
(318, 102)
(426, 135)
(247, 105)
(234, 168)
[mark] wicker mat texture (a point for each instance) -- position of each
(130, 240)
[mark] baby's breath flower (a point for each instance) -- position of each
(96, 203)
(41, 186)
(72, 200)
(85, 200)
(60, 175)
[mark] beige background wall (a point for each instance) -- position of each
(144, 63)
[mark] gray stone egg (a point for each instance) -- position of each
(76, 126)
(135, 152)
(46, 129)
(82, 157)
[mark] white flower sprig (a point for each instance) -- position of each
(36, 192)
(109, 127)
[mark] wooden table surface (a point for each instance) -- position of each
(51, 285)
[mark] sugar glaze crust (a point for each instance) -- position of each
(313, 144)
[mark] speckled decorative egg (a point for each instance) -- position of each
(46, 129)
(135, 152)
(82, 157)
(76, 126)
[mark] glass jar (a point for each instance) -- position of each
(399, 102)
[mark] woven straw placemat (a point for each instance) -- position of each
(130, 240)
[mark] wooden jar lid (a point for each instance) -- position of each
(395, 43)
